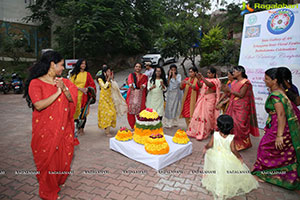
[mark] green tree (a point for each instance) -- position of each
(180, 32)
(101, 27)
(211, 43)
(233, 21)
(14, 46)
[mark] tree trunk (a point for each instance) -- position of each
(193, 61)
(183, 67)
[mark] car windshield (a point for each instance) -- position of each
(153, 51)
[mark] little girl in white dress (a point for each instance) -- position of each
(225, 173)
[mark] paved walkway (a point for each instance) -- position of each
(116, 179)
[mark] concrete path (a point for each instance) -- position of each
(180, 180)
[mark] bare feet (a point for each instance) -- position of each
(107, 132)
(80, 131)
(109, 135)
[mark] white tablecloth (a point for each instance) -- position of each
(137, 152)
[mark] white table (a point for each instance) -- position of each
(137, 152)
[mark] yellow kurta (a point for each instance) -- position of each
(107, 115)
(80, 82)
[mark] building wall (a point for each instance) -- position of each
(12, 14)
(15, 10)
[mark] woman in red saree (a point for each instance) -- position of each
(205, 115)
(136, 81)
(54, 102)
(242, 109)
(190, 95)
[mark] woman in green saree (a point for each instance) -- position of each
(278, 154)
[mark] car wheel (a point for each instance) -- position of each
(176, 59)
(160, 63)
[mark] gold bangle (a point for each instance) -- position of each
(66, 89)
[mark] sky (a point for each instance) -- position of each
(214, 4)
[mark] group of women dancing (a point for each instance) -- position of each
(57, 102)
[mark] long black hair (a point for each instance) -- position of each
(213, 71)
(230, 71)
(39, 69)
(284, 74)
(162, 76)
(76, 68)
(194, 69)
(272, 73)
(172, 66)
(104, 70)
(241, 69)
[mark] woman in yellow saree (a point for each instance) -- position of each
(82, 79)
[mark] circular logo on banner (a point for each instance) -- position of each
(252, 19)
(280, 21)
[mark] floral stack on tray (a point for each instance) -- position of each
(124, 134)
(147, 123)
(157, 144)
(180, 137)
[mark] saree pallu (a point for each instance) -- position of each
(141, 79)
(135, 101)
(119, 101)
(243, 112)
(224, 107)
(296, 110)
(279, 167)
(52, 137)
(189, 99)
(205, 114)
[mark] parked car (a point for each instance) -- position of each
(155, 57)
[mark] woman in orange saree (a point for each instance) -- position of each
(190, 95)
(53, 101)
(136, 81)
(205, 115)
(242, 109)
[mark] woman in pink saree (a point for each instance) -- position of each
(205, 115)
(242, 109)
